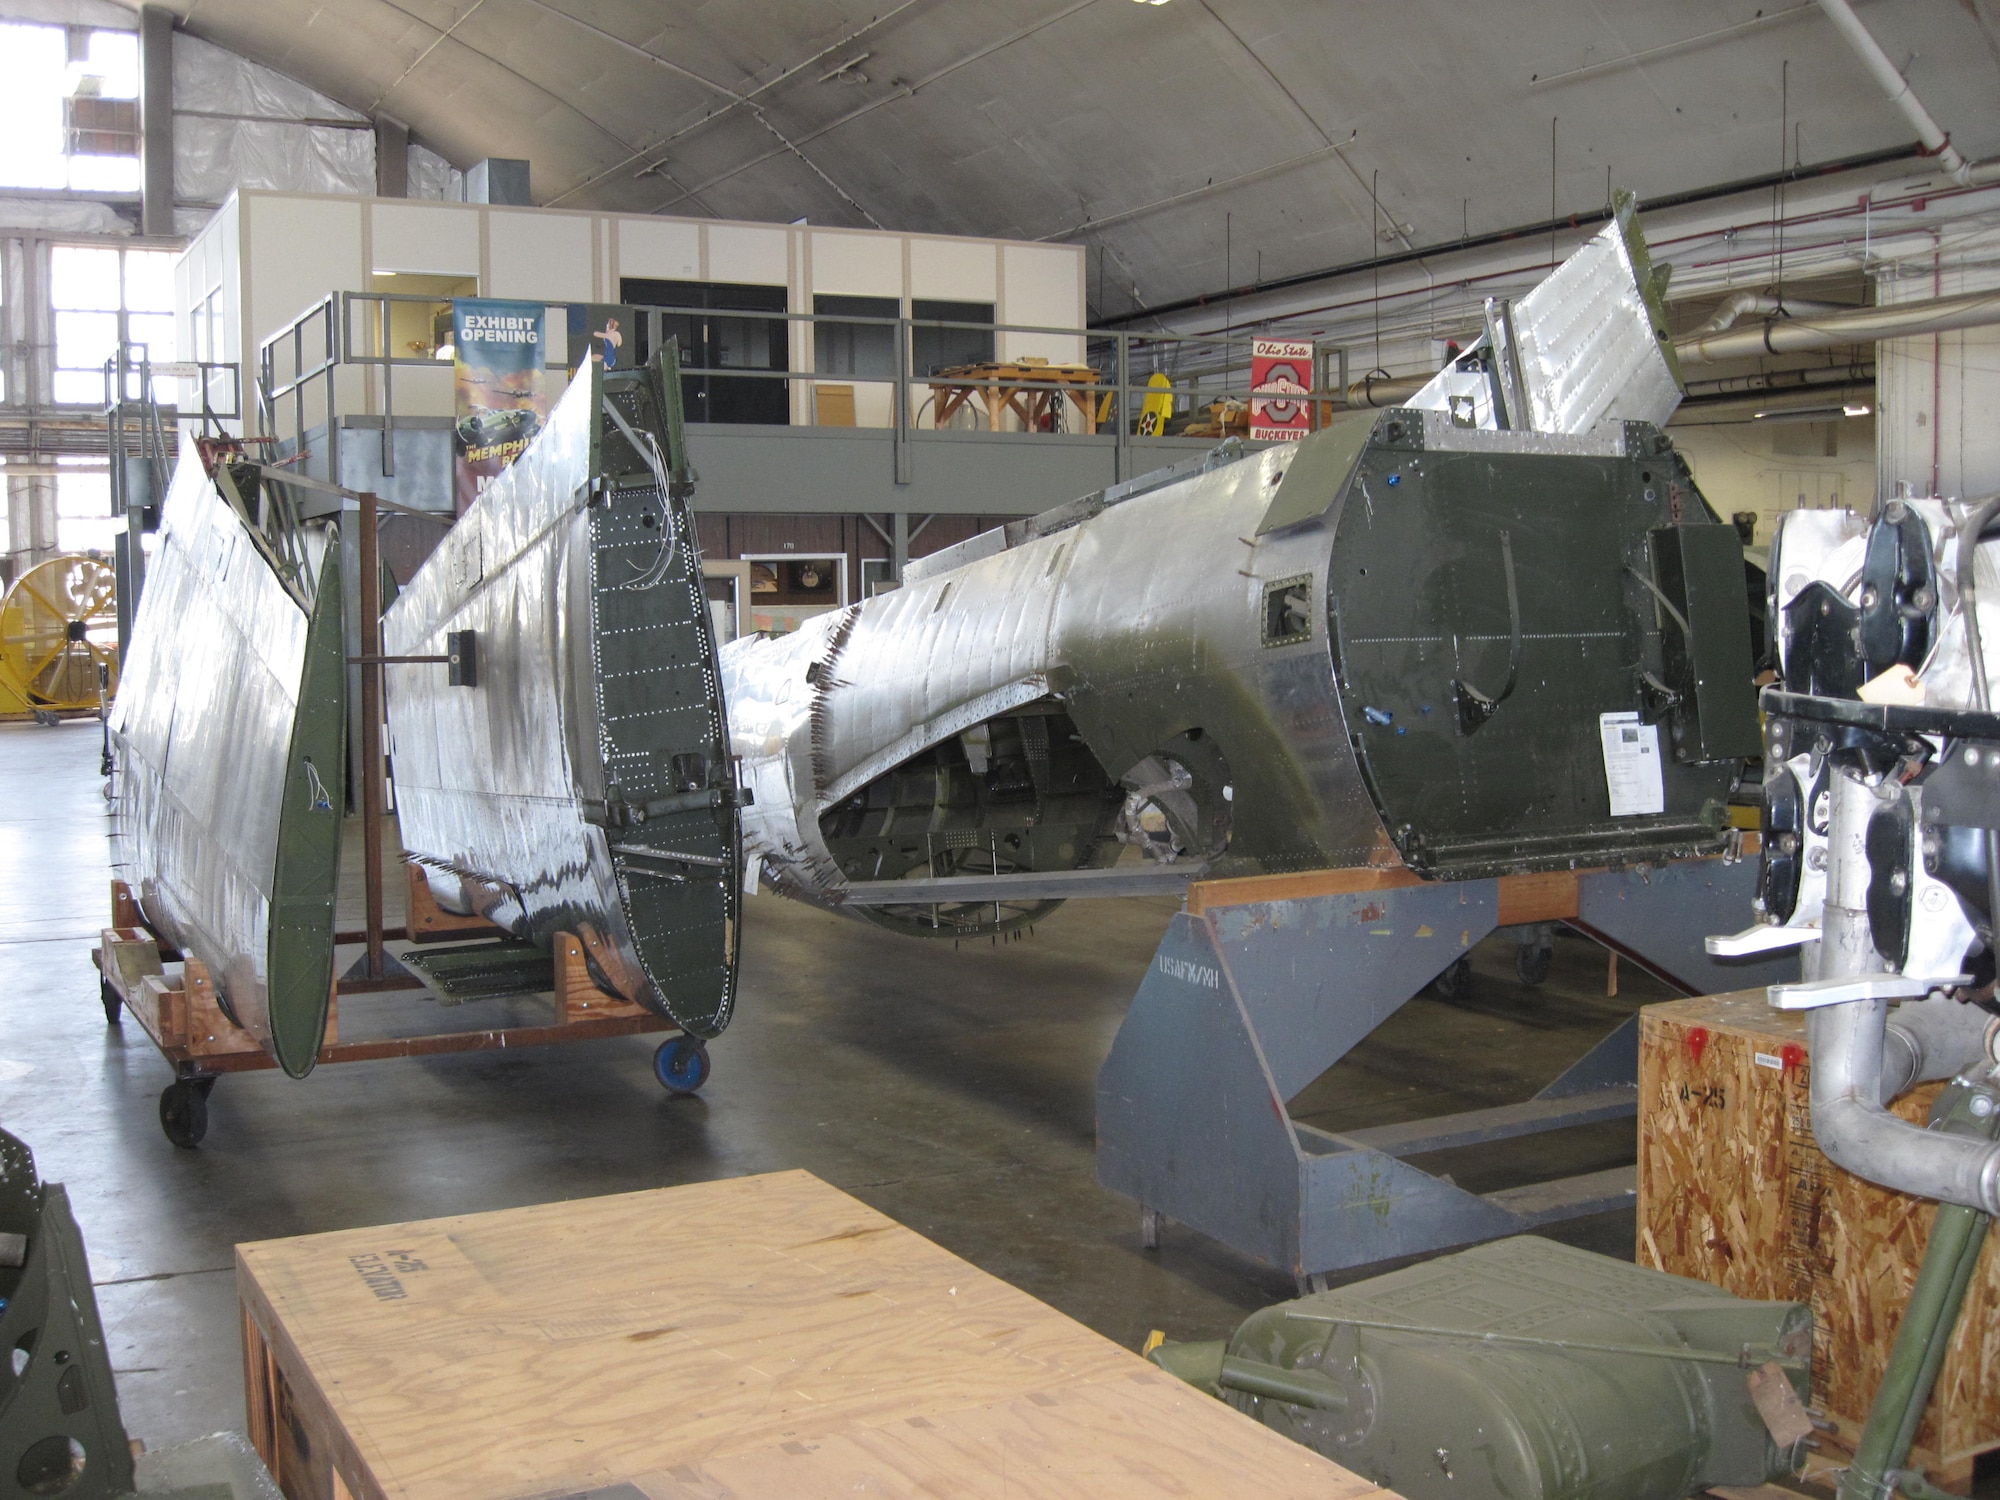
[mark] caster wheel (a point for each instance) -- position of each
(1531, 964)
(1455, 981)
(681, 1064)
(184, 1111)
(113, 1007)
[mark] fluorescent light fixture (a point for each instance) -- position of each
(1799, 414)
(1858, 409)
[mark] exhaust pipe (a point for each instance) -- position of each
(1849, 1041)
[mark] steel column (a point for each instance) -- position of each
(371, 733)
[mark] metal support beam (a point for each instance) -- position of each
(1122, 467)
(371, 733)
(900, 427)
(156, 120)
(1246, 1004)
(392, 161)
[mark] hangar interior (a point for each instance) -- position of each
(770, 749)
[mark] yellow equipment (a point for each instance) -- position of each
(58, 624)
(1159, 405)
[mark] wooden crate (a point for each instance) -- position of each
(1734, 1191)
(763, 1336)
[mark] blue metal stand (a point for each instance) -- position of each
(1245, 1005)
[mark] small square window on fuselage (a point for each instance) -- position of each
(1288, 611)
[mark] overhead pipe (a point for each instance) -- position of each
(1794, 335)
(1825, 326)
(1862, 325)
(1897, 87)
(1932, 141)
(1583, 219)
(1740, 303)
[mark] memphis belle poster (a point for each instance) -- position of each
(499, 349)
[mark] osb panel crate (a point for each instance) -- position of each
(1734, 1191)
(768, 1336)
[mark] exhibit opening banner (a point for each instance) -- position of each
(498, 352)
(1280, 380)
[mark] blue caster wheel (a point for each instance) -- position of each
(681, 1064)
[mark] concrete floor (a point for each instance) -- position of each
(950, 1089)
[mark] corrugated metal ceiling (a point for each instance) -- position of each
(1035, 118)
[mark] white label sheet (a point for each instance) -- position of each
(1632, 765)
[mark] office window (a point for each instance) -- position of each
(865, 351)
(706, 317)
(934, 349)
(101, 295)
(84, 522)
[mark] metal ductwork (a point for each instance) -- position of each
(1856, 1132)
(1716, 341)
(1382, 392)
(1931, 1039)
(1862, 325)
(1739, 304)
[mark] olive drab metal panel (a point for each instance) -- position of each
(1492, 599)
(305, 883)
(60, 1432)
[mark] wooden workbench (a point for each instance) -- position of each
(1032, 389)
(766, 1336)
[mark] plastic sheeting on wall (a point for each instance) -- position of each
(238, 125)
(431, 176)
(64, 215)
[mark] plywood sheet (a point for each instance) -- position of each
(1734, 1191)
(768, 1335)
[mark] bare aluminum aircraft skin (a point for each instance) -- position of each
(582, 782)
(228, 738)
(1389, 643)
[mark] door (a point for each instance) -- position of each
(717, 329)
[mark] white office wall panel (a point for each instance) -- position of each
(229, 279)
(534, 254)
(875, 403)
(954, 270)
(857, 264)
(295, 251)
(662, 249)
(434, 239)
(748, 253)
(1042, 285)
(426, 391)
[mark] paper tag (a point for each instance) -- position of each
(1779, 1405)
(1632, 765)
(1770, 1060)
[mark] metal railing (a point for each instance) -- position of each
(1100, 395)
(132, 411)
